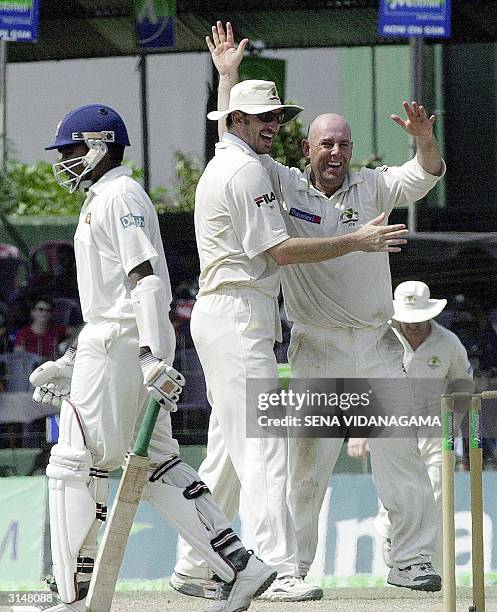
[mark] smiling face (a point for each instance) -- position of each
(259, 135)
(329, 150)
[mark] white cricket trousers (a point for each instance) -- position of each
(431, 453)
(234, 334)
(399, 474)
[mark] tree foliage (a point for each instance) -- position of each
(31, 189)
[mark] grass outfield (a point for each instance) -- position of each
(336, 600)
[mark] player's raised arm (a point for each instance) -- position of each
(226, 57)
(419, 125)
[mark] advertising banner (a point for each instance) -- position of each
(155, 23)
(427, 18)
(22, 529)
(19, 20)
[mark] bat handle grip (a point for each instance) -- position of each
(147, 427)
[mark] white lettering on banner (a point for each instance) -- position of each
(15, 7)
(352, 545)
(14, 35)
(348, 533)
(433, 30)
(415, 4)
(12, 536)
(394, 29)
(318, 567)
(463, 542)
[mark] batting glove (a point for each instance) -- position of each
(164, 383)
(53, 379)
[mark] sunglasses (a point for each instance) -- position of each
(43, 309)
(271, 116)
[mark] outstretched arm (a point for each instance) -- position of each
(419, 125)
(226, 58)
(369, 238)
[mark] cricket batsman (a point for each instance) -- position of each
(123, 353)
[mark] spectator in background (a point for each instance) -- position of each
(4, 345)
(181, 311)
(42, 336)
(4, 330)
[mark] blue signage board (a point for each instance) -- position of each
(19, 20)
(427, 18)
(155, 23)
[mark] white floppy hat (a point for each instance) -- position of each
(254, 97)
(412, 303)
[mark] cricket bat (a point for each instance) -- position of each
(111, 551)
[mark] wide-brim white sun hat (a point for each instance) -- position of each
(254, 97)
(412, 303)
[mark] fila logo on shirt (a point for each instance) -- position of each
(265, 197)
(349, 216)
(129, 220)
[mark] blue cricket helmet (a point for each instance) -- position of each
(92, 121)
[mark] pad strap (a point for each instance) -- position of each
(224, 539)
(196, 489)
(161, 469)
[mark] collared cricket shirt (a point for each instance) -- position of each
(237, 218)
(353, 290)
(117, 230)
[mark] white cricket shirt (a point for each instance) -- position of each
(354, 290)
(117, 230)
(441, 355)
(237, 218)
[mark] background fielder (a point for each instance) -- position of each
(430, 351)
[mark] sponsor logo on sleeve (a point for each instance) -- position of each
(129, 220)
(88, 218)
(304, 216)
(266, 198)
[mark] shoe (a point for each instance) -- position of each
(195, 587)
(292, 588)
(418, 577)
(249, 583)
(387, 552)
(54, 604)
